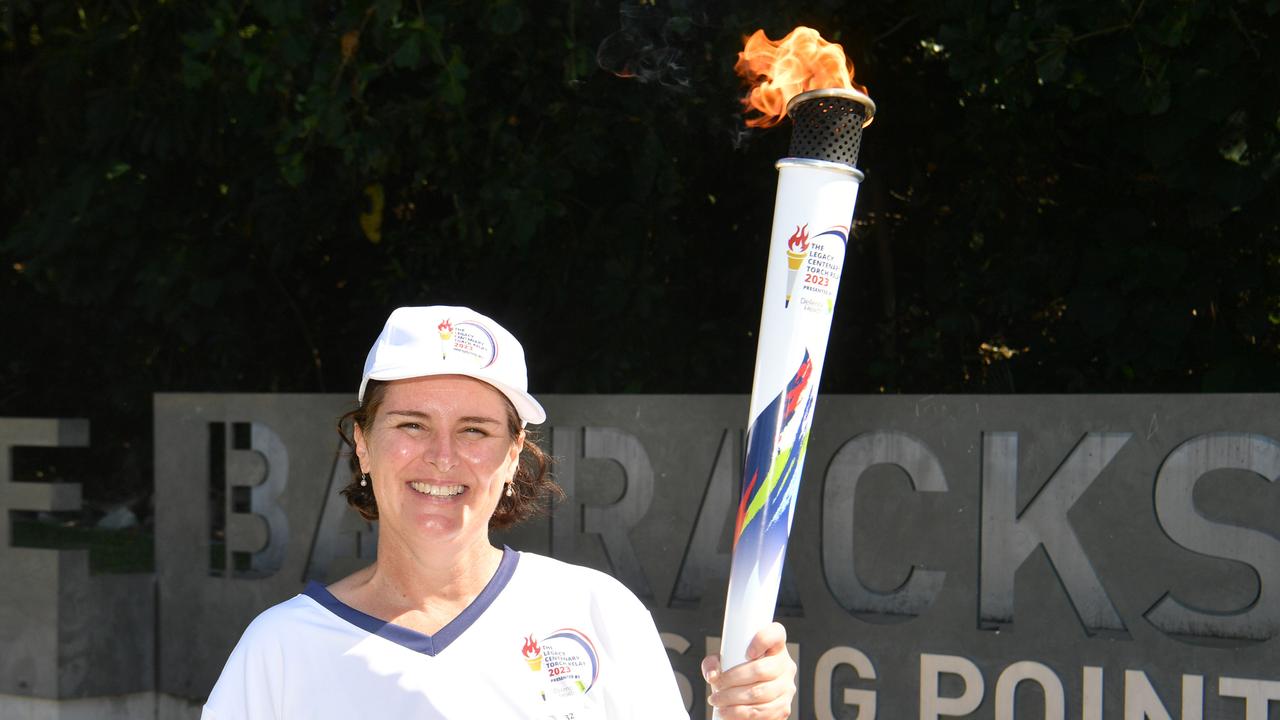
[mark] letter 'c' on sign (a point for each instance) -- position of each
(839, 490)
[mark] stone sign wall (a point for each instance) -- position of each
(1083, 557)
(988, 557)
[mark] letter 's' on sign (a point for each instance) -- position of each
(1185, 525)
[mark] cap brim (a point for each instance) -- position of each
(529, 409)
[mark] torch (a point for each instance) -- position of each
(809, 79)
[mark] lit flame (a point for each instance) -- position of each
(799, 242)
(531, 648)
(445, 327)
(778, 71)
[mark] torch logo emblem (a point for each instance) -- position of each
(446, 334)
(797, 250)
(532, 654)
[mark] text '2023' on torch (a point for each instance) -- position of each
(809, 79)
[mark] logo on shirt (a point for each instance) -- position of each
(532, 653)
(568, 661)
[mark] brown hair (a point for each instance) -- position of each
(532, 487)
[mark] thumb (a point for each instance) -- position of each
(711, 669)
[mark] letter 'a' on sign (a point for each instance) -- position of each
(343, 541)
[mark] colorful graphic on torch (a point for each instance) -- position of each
(768, 502)
(838, 231)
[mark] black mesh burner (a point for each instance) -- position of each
(827, 124)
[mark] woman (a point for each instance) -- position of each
(443, 624)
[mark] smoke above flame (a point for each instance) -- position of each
(779, 70)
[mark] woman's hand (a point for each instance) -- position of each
(759, 689)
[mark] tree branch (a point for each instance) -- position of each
(901, 24)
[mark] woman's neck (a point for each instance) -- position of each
(423, 591)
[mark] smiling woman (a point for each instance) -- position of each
(439, 458)
(444, 624)
(527, 495)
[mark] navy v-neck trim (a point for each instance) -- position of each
(420, 642)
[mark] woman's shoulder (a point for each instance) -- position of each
(548, 566)
(283, 618)
(549, 572)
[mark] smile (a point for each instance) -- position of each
(438, 490)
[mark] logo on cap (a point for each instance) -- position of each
(446, 334)
(467, 342)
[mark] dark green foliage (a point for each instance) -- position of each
(231, 195)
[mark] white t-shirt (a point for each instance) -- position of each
(544, 640)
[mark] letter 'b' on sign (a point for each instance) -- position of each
(250, 471)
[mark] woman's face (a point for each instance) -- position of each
(439, 453)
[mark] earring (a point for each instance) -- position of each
(364, 480)
(510, 490)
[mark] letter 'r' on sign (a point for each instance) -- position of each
(611, 524)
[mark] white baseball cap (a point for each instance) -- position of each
(445, 340)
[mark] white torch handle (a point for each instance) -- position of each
(813, 211)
